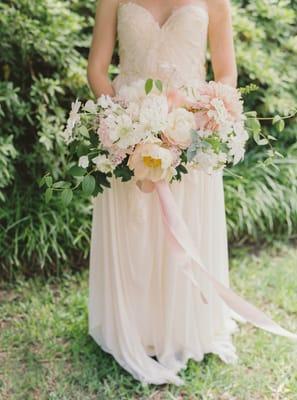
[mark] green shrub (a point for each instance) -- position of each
(43, 50)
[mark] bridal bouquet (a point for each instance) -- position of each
(152, 134)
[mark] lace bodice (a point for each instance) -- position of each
(174, 52)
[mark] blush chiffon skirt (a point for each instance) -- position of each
(140, 302)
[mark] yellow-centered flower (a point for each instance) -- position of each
(152, 162)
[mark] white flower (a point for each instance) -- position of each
(83, 162)
(133, 110)
(105, 101)
(237, 149)
(209, 161)
(73, 119)
(179, 128)
(103, 164)
(153, 112)
(124, 132)
(90, 106)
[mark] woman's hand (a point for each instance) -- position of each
(103, 41)
(221, 42)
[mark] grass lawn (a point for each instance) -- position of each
(46, 353)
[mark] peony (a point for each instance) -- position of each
(153, 112)
(179, 129)
(152, 162)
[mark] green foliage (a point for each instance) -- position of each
(43, 51)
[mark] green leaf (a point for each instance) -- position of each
(48, 194)
(148, 85)
(83, 131)
(48, 181)
(41, 182)
(276, 119)
(159, 85)
(254, 125)
(66, 196)
(77, 171)
(61, 184)
(252, 114)
(88, 184)
(280, 125)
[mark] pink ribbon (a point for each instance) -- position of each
(180, 237)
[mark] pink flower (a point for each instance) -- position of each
(216, 105)
(103, 132)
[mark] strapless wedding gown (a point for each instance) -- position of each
(140, 303)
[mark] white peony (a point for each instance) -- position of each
(179, 129)
(153, 112)
(103, 164)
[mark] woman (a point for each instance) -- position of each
(142, 309)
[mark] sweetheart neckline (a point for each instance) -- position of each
(173, 13)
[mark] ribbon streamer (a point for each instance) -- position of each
(180, 237)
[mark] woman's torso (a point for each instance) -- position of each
(174, 52)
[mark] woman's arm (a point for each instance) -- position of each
(102, 46)
(221, 42)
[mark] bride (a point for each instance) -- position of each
(142, 309)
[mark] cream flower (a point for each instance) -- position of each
(73, 119)
(152, 162)
(153, 112)
(83, 162)
(103, 164)
(90, 106)
(179, 128)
